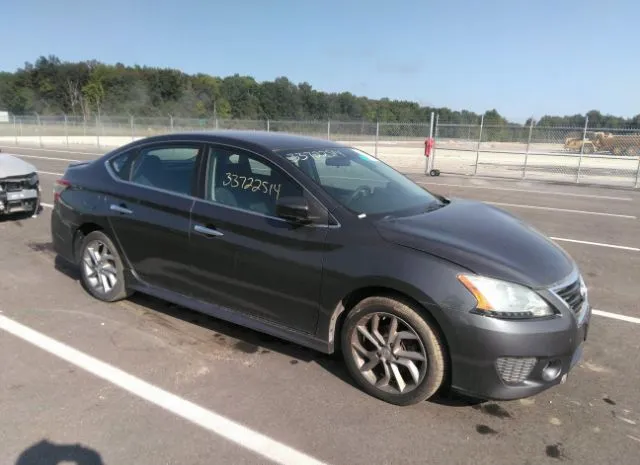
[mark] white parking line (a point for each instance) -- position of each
(207, 419)
(49, 172)
(49, 150)
(45, 158)
(566, 210)
(616, 316)
(46, 205)
(531, 191)
(599, 244)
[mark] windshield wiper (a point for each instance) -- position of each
(417, 210)
(433, 207)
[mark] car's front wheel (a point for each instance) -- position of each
(392, 351)
(101, 268)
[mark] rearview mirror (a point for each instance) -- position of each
(294, 209)
(338, 160)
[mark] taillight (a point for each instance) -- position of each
(59, 187)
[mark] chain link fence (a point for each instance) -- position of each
(477, 148)
(399, 144)
(570, 154)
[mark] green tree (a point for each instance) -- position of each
(93, 93)
(52, 86)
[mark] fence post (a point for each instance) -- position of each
(475, 170)
(584, 138)
(375, 153)
(268, 125)
(133, 137)
(329, 129)
(15, 129)
(66, 129)
(171, 122)
(216, 121)
(39, 129)
(435, 136)
(526, 155)
(97, 131)
(428, 162)
(638, 174)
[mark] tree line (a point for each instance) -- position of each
(51, 86)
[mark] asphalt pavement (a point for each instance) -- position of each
(145, 382)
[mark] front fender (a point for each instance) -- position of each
(429, 281)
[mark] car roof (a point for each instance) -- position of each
(266, 140)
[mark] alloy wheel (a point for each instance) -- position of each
(389, 353)
(99, 267)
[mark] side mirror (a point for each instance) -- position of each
(293, 209)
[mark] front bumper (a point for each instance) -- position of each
(505, 360)
(25, 200)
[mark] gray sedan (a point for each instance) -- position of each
(19, 186)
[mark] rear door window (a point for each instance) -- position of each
(171, 168)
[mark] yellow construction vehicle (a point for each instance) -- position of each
(617, 144)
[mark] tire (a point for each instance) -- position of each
(113, 273)
(427, 341)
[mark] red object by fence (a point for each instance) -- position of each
(428, 146)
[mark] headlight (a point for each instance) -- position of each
(583, 288)
(33, 179)
(502, 299)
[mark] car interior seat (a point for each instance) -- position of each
(221, 193)
(150, 172)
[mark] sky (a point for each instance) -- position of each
(522, 58)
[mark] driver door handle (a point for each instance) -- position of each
(120, 209)
(207, 231)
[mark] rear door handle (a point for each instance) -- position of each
(207, 231)
(120, 209)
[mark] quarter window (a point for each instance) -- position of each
(121, 164)
(241, 180)
(169, 168)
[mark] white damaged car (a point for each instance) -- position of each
(19, 186)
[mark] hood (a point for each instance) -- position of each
(11, 165)
(483, 239)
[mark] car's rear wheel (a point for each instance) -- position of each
(392, 351)
(101, 268)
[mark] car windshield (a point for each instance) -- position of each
(362, 183)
